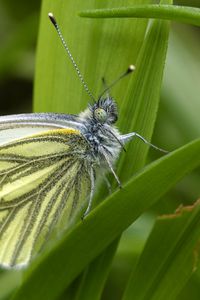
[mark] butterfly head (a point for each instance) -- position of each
(105, 111)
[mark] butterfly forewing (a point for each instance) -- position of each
(18, 126)
(35, 119)
(44, 182)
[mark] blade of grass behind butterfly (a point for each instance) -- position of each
(145, 94)
(95, 48)
(162, 57)
(97, 281)
(102, 43)
(150, 67)
(161, 32)
(52, 89)
(151, 63)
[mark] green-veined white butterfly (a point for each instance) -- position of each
(48, 164)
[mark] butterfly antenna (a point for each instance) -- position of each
(130, 69)
(54, 22)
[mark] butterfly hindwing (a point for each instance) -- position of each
(44, 182)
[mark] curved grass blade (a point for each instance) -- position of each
(150, 66)
(183, 14)
(139, 104)
(144, 93)
(98, 44)
(82, 243)
(94, 277)
(171, 253)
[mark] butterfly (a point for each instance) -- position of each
(48, 167)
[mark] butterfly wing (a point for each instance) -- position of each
(44, 182)
(13, 127)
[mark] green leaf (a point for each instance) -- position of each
(57, 87)
(94, 277)
(189, 15)
(96, 47)
(143, 95)
(75, 249)
(140, 116)
(170, 257)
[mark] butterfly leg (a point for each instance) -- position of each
(127, 137)
(111, 167)
(91, 193)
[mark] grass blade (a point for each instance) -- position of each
(94, 277)
(77, 248)
(141, 104)
(148, 78)
(188, 15)
(95, 49)
(170, 257)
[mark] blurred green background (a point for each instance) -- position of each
(19, 22)
(177, 123)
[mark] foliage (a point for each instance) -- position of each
(77, 264)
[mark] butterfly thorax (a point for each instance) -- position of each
(100, 132)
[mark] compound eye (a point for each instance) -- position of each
(100, 115)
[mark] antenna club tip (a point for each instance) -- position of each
(131, 68)
(52, 18)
